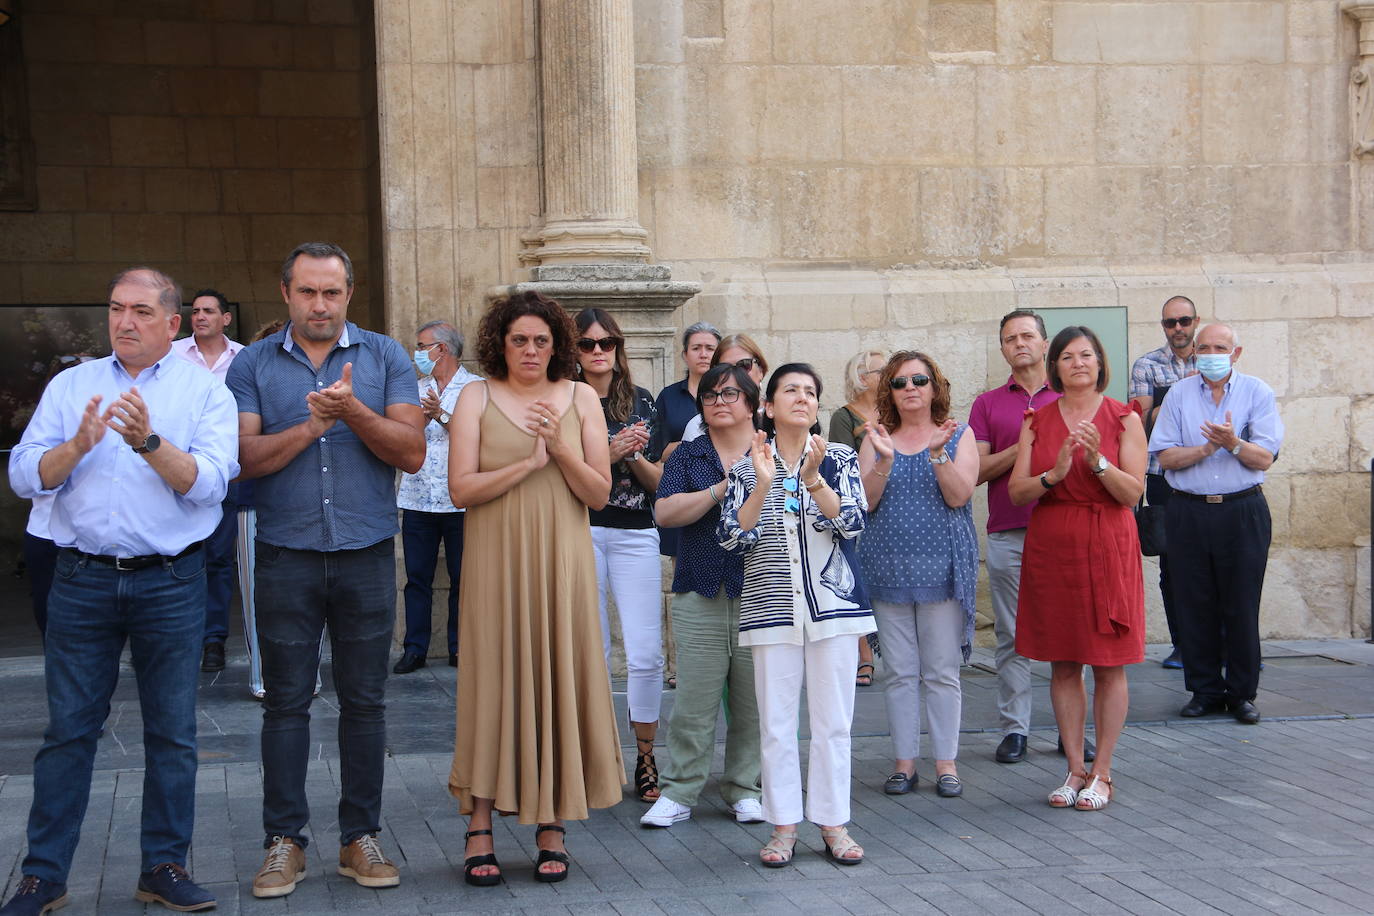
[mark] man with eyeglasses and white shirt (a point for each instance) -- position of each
(1151, 377)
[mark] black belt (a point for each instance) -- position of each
(1220, 497)
(129, 564)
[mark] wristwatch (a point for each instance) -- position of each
(943, 459)
(444, 417)
(150, 444)
(1236, 451)
(1101, 466)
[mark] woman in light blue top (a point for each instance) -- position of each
(919, 557)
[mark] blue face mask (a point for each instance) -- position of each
(1214, 366)
(423, 362)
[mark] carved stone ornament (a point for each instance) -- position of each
(1362, 78)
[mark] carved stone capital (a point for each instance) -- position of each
(1362, 11)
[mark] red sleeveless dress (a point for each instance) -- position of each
(1082, 596)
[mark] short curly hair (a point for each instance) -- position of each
(491, 333)
(887, 407)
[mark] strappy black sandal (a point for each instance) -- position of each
(474, 862)
(646, 771)
(548, 855)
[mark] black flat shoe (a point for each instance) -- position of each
(1197, 707)
(548, 855)
(899, 783)
(1012, 749)
(1089, 750)
(409, 662)
(949, 786)
(472, 862)
(1245, 712)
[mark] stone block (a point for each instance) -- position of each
(253, 45)
(118, 190)
(822, 300)
(479, 261)
(1144, 296)
(659, 33)
(748, 26)
(182, 190)
(217, 238)
(289, 93)
(255, 143)
(327, 191)
(309, 52)
(70, 139)
(433, 145)
(1354, 291)
(431, 31)
(1278, 492)
(507, 198)
(101, 88)
(1296, 294)
(348, 48)
(143, 238)
(393, 33)
(1252, 113)
(1314, 31)
(1104, 211)
(321, 143)
(1067, 104)
(1199, 206)
(1331, 358)
(507, 115)
(662, 127)
(257, 191)
(981, 213)
(1148, 115)
(1361, 433)
(1360, 615)
(961, 25)
(702, 212)
(1329, 509)
(1126, 33)
(36, 236)
(178, 43)
(435, 274)
(491, 31)
(1266, 354)
(1023, 31)
(1307, 594)
(1243, 32)
(785, 138)
(332, 12)
(210, 142)
(66, 283)
(1312, 214)
(147, 141)
(704, 19)
(216, 91)
(397, 143)
(61, 188)
(93, 235)
(924, 298)
(1062, 290)
(895, 115)
(859, 32)
(865, 214)
(1316, 433)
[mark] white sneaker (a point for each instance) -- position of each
(748, 811)
(665, 813)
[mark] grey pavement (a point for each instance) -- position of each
(1210, 816)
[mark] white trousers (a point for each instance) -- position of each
(828, 668)
(627, 564)
(922, 651)
(1013, 670)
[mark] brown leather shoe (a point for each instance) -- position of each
(362, 860)
(283, 867)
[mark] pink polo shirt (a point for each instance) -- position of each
(186, 348)
(996, 419)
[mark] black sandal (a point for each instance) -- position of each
(646, 771)
(864, 680)
(472, 862)
(548, 855)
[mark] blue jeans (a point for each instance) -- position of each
(221, 568)
(421, 533)
(298, 592)
(40, 556)
(92, 609)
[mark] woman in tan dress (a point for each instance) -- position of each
(536, 732)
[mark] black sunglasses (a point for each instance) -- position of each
(1171, 323)
(748, 363)
(918, 381)
(588, 344)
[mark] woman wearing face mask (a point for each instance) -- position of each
(1082, 599)
(794, 507)
(623, 533)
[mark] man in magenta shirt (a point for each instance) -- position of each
(996, 422)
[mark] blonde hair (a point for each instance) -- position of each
(853, 381)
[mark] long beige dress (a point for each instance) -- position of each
(536, 727)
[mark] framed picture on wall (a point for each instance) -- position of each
(36, 343)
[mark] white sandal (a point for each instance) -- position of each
(781, 845)
(1066, 795)
(838, 845)
(1092, 798)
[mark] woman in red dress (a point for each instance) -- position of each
(1082, 599)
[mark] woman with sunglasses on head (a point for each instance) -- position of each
(1082, 598)
(706, 610)
(793, 507)
(920, 561)
(734, 350)
(623, 533)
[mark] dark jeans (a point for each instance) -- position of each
(221, 569)
(1220, 552)
(298, 592)
(40, 557)
(92, 609)
(1157, 493)
(421, 533)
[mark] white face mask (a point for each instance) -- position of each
(1214, 366)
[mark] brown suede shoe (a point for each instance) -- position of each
(362, 860)
(283, 867)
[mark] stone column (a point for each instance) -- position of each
(1362, 78)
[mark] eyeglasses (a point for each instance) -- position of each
(1184, 322)
(793, 504)
(917, 381)
(724, 395)
(748, 363)
(588, 344)
(428, 346)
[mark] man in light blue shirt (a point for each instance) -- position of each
(1217, 433)
(136, 489)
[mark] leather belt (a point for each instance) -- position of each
(131, 564)
(1220, 497)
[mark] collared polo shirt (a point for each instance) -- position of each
(996, 419)
(188, 350)
(1254, 414)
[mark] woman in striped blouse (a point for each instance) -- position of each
(794, 506)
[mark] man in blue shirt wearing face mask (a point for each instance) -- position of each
(1217, 433)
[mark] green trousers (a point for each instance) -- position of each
(711, 664)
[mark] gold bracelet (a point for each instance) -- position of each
(880, 473)
(813, 487)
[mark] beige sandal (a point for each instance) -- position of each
(781, 845)
(1091, 798)
(1066, 795)
(838, 845)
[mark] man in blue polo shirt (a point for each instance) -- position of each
(136, 451)
(1217, 433)
(327, 412)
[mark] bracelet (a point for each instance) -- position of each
(813, 487)
(712, 490)
(880, 473)
(1045, 482)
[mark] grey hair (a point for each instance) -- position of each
(445, 334)
(168, 292)
(701, 327)
(1235, 335)
(853, 381)
(315, 250)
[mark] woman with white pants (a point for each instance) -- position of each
(920, 560)
(794, 506)
(624, 538)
